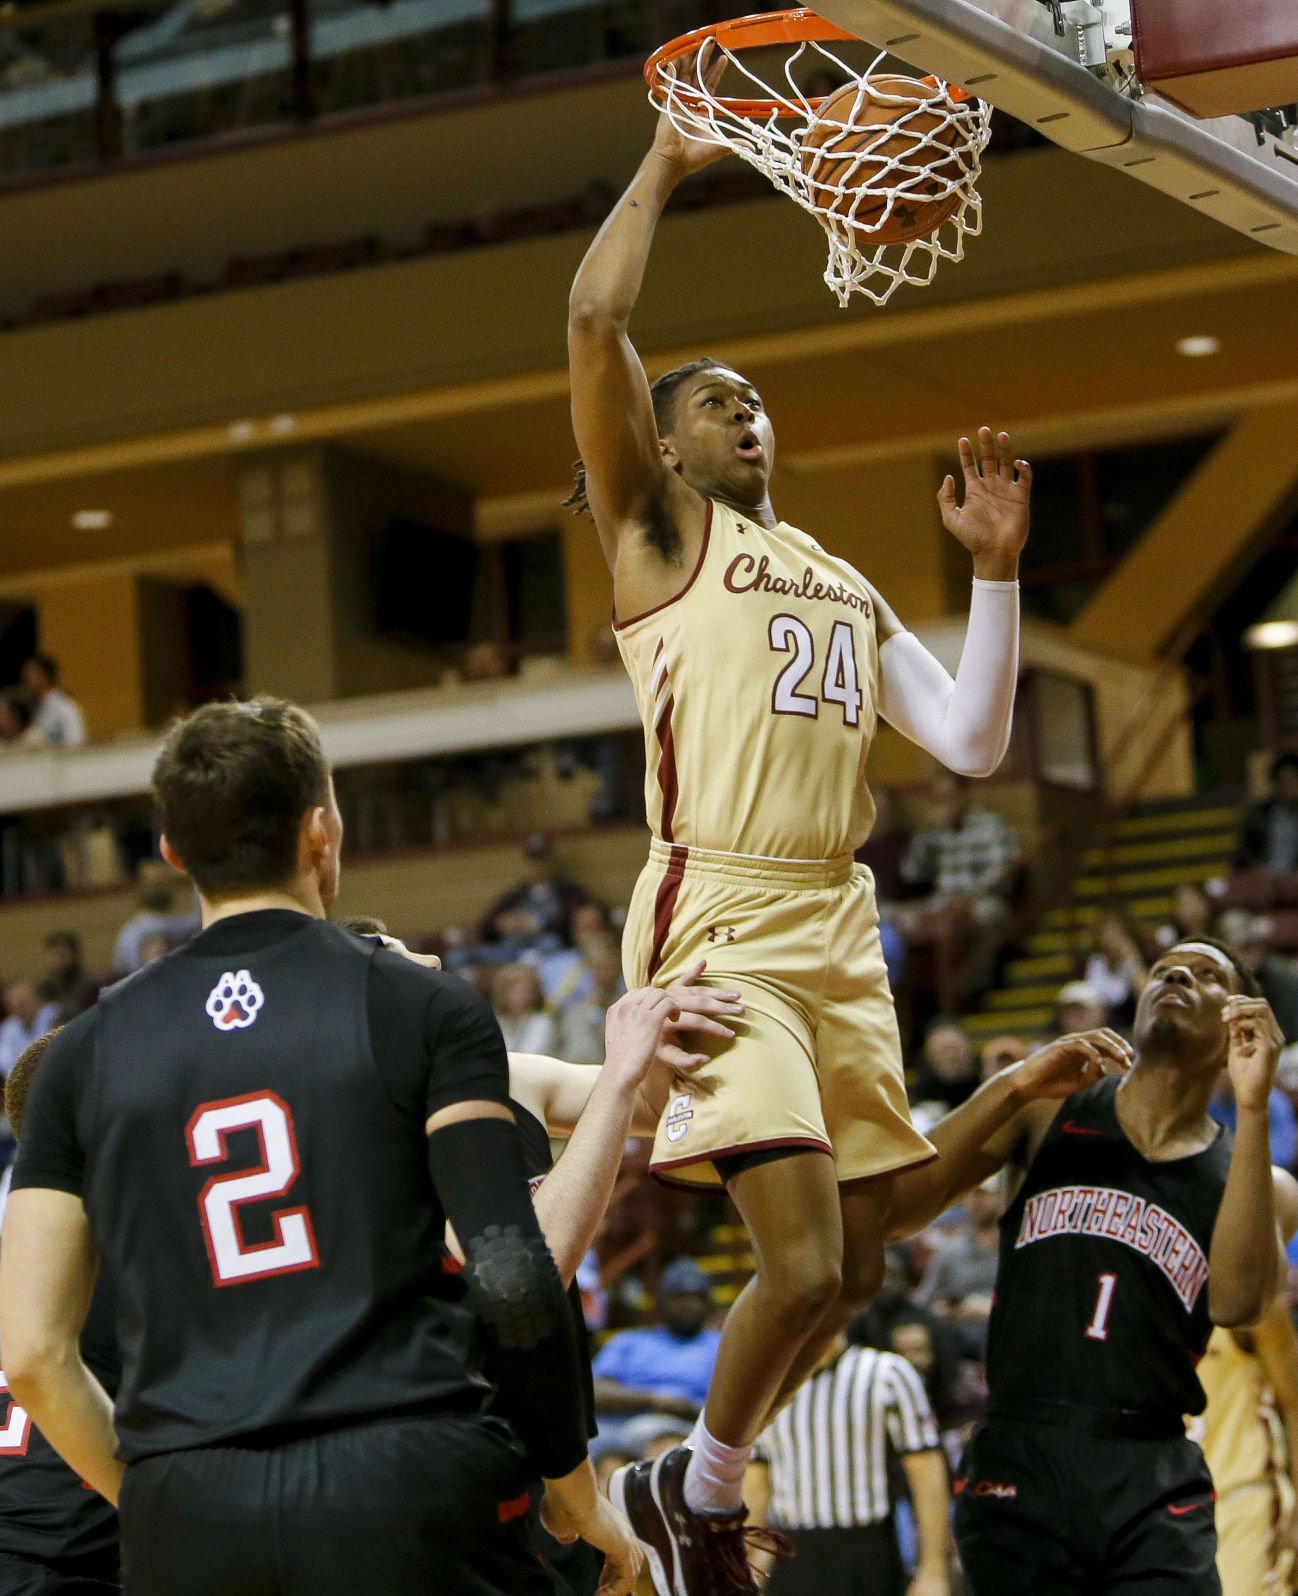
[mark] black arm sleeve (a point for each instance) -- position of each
(51, 1154)
(514, 1287)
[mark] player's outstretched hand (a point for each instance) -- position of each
(992, 523)
(1063, 1067)
(703, 1009)
(572, 1509)
(689, 155)
(634, 1031)
(1255, 1044)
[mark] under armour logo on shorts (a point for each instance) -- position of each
(235, 1001)
(679, 1115)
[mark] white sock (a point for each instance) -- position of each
(714, 1480)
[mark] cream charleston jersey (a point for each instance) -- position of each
(1239, 1430)
(758, 690)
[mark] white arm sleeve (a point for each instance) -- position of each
(963, 723)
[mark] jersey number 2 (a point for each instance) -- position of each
(16, 1430)
(232, 1258)
(1098, 1329)
(840, 685)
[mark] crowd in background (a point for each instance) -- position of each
(666, 1265)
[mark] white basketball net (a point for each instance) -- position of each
(933, 155)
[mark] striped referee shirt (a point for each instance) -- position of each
(828, 1450)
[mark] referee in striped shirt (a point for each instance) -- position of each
(831, 1487)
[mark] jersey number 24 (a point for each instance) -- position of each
(232, 1257)
(840, 683)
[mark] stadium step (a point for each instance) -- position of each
(1154, 850)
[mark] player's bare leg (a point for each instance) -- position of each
(865, 1206)
(687, 1506)
(793, 1213)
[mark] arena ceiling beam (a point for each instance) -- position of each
(1234, 498)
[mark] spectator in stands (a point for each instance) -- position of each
(966, 855)
(16, 730)
(520, 1010)
(155, 912)
(564, 974)
(55, 716)
(1284, 1122)
(1268, 837)
(1116, 968)
(999, 1053)
(67, 984)
(1078, 1008)
(154, 946)
(1193, 915)
(581, 1021)
(665, 1368)
(1248, 935)
(535, 916)
(886, 850)
(28, 1019)
(948, 1072)
(961, 1276)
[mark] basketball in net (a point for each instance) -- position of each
(888, 165)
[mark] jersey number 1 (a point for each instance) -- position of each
(233, 1259)
(1098, 1329)
(840, 684)
(16, 1431)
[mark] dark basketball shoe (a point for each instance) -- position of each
(689, 1553)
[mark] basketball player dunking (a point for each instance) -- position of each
(761, 664)
(1135, 1226)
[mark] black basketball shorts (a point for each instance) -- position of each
(87, 1576)
(398, 1507)
(1042, 1511)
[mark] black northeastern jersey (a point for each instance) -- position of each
(277, 1271)
(47, 1514)
(1101, 1304)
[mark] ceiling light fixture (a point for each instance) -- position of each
(1272, 634)
(92, 520)
(1194, 348)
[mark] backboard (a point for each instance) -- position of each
(1065, 67)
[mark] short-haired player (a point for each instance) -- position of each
(761, 664)
(263, 1136)
(1135, 1224)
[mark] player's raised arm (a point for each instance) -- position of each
(966, 723)
(1004, 1122)
(1244, 1257)
(626, 481)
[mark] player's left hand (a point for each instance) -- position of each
(1255, 1045)
(633, 1031)
(992, 523)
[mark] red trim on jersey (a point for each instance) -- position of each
(621, 626)
(669, 889)
(668, 779)
(514, 1508)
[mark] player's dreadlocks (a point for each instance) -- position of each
(663, 393)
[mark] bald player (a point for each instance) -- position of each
(761, 665)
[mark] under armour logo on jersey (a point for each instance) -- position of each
(235, 1001)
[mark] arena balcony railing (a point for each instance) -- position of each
(83, 84)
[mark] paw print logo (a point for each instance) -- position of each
(235, 1001)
